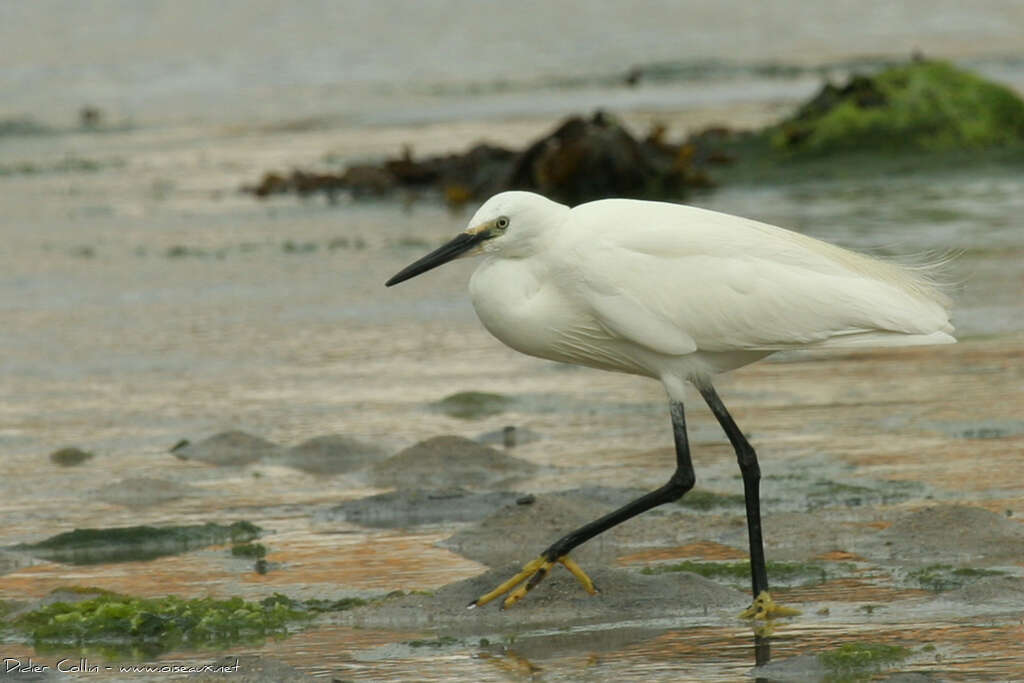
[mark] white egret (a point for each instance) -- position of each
(678, 294)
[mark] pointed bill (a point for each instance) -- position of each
(462, 243)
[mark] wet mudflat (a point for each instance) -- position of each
(363, 431)
(892, 496)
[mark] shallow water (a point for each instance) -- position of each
(323, 63)
(145, 300)
(125, 349)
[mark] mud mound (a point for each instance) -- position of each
(518, 533)
(803, 536)
(558, 601)
(447, 461)
(330, 454)
(229, 449)
(513, 532)
(412, 507)
(955, 534)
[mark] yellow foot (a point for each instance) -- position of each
(532, 574)
(765, 608)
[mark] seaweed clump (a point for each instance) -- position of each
(473, 405)
(152, 625)
(924, 105)
(127, 626)
(581, 159)
(857, 661)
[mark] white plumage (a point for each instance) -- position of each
(671, 291)
(675, 293)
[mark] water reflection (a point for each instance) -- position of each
(642, 652)
(762, 649)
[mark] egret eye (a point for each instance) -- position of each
(501, 223)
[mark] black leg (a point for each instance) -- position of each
(533, 573)
(751, 480)
(682, 480)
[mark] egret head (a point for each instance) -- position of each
(508, 223)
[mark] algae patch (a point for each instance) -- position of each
(122, 625)
(793, 573)
(924, 105)
(857, 661)
(134, 543)
(827, 493)
(319, 605)
(126, 624)
(440, 641)
(473, 405)
(257, 551)
(70, 456)
(943, 577)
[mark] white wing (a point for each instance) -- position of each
(688, 279)
(628, 318)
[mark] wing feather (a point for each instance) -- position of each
(690, 280)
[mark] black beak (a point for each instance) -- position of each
(462, 243)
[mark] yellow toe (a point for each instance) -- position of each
(520, 593)
(527, 579)
(765, 608)
(578, 572)
(527, 571)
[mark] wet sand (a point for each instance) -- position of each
(875, 464)
(152, 303)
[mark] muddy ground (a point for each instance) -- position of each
(892, 502)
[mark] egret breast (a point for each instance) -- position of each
(518, 307)
(534, 315)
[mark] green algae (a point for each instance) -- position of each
(922, 117)
(827, 493)
(319, 605)
(859, 661)
(473, 405)
(123, 626)
(157, 624)
(182, 251)
(292, 247)
(440, 641)
(943, 577)
(803, 573)
(130, 544)
(925, 105)
(254, 550)
(70, 456)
